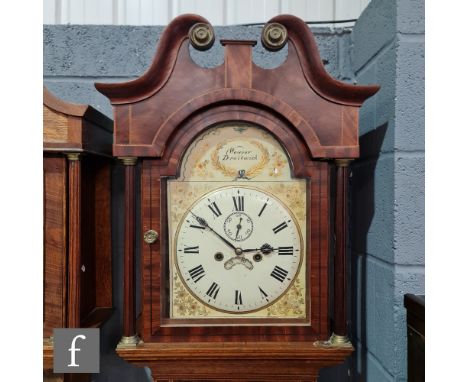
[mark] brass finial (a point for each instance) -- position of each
(274, 36)
(201, 36)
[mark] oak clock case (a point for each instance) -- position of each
(243, 185)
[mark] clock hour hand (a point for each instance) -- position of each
(204, 224)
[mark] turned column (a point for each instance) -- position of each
(339, 335)
(130, 337)
(74, 240)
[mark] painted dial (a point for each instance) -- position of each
(238, 249)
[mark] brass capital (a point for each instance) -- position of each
(343, 162)
(128, 161)
(73, 156)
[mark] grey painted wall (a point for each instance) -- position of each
(387, 234)
(75, 57)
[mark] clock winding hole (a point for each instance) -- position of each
(257, 257)
(219, 256)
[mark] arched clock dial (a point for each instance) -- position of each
(238, 249)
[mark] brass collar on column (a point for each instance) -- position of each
(128, 161)
(343, 162)
(73, 156)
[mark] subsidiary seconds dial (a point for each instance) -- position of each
(238, 226)
(238, 249)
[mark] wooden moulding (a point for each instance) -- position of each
(74, 127)
(236, 360)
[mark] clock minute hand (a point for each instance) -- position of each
(203, 223)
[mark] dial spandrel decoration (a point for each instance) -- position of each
(237, 228)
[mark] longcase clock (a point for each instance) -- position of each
(242, 207)
(77, 228)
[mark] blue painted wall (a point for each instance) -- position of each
(387, 216)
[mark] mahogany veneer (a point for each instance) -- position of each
(77, 226)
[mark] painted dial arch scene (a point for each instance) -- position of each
(238, 249)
